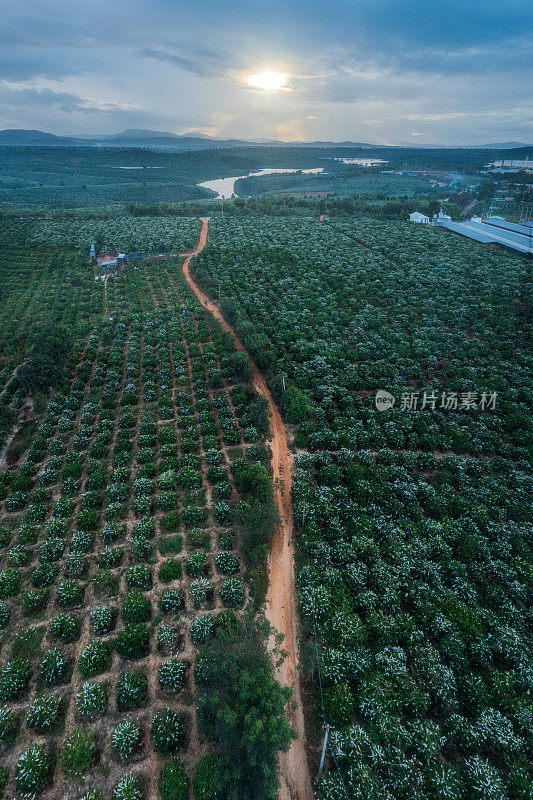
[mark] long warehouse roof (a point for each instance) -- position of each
(517, 227)
(481, 232)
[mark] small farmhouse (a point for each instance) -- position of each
(416, 216)
(107, 255)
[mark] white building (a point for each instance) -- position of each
(438, 219)
(416, 216)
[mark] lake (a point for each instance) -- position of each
(362, 162)
(225, 187)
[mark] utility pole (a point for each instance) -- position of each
(219, 292)
(321, 767)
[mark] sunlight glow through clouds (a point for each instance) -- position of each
(268, 81)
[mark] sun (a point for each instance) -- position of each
(268, 81)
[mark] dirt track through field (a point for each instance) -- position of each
(280, 603)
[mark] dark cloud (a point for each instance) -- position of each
(199, 61)
(67, 112)
(25, 65)
(66, 102)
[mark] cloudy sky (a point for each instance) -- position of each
(416, 71)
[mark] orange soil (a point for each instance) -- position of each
(280, 602)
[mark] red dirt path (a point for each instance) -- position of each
(280, 602)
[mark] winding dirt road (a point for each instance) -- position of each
(280, 602)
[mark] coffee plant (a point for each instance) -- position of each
(166, 731)
(79, 752)
(132, 690)
(43, 713)
(125, 739)
(91, 700)
(32, 769)
(128, 788)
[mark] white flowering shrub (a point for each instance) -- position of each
(91, 699)
(125, 739)
(202, 629)
(32, 769)
(172, 674)
(128, 788)
(43, 713)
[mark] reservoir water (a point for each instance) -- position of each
(225, 187)
(362, 162)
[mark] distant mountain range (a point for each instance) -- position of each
(492, 146)
(139, 137)
(19, 136)
(502, 146)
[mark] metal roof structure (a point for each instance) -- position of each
(517, 227)
(491, 234)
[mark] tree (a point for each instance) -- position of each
(298, 406)
(44, 367)
(242, 706)
(253, 479)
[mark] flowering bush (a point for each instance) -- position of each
(32, 769)
(172, 673)
(132, 690)
(34, 600)
(10, 582)
(167, 638)
(14, 679)
(145, 527)
(8, 725)
(139, 576)
(65, 627)
(166, 731)
(202, 629)
(69, 594)
(171, 601)
(223, 513)
(226, 563)
(101, 619)
(53, 667)
(91, 699)
(94, 658)
(43, 713)
(125, 739)
(232, 592)
(52, 549)
(111, 532)
(128, 788)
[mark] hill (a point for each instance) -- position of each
(166, 140)
(20, 136)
